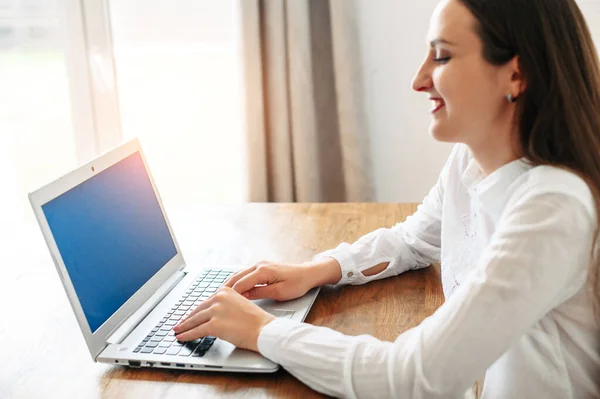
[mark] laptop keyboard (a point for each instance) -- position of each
(161, 340)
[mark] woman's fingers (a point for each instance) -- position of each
(193, 321)
(251, 280)
(199, 331)
(202, 306)
(238, 275)
(264, 292)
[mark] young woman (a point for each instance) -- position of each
(513, 219)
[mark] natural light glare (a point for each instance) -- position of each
(36, 135)
(180, 92)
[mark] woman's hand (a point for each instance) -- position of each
(234, 318)
(226, 315)
(276, 281)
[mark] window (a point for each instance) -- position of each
(179, 83)
(36, 136)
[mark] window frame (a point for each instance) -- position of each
(92, 77)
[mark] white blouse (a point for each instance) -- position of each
(515, 249)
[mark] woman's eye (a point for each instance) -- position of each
(441, 60)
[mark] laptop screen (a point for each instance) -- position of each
(112, 236)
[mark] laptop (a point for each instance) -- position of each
(124, 274)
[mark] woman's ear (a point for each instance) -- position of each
(517, 79)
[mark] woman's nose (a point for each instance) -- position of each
(422, 80)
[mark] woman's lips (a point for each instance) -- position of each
(438, 104)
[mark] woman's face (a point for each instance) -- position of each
(468, 94)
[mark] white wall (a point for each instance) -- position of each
(591, 11)
(406, 159)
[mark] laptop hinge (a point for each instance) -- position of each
(132, 321)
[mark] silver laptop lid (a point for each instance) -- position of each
(109, 237)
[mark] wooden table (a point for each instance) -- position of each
(43, 354)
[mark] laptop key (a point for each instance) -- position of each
(136, 350)
(147, 350)
(174, 350)
(185, 351)
(159, 351)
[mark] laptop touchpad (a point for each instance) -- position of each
(286, 314)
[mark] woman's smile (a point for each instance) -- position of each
(438, 104)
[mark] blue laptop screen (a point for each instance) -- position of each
(112, 236)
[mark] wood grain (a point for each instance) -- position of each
(42, 352)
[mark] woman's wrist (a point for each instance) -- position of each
(268, 318)
(327, 271)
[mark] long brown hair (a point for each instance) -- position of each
(559, 111)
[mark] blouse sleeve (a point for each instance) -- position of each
(410, 245)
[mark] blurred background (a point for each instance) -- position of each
(233, 100)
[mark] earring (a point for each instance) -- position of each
(510, 98)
